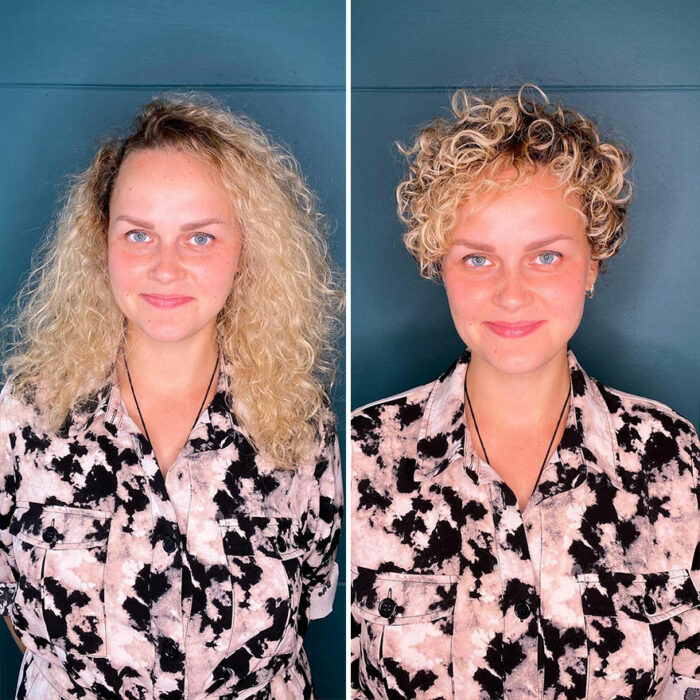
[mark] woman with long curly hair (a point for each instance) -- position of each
(534, 533)
(171, 490)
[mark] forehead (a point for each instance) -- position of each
(538, 204)
(167, 173)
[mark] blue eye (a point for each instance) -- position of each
(201, 239)
(137, 236)
(476, 260)
(548, 258)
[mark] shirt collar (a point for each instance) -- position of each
(209, 431)
(588, 441)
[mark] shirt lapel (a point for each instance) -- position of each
(587, 443)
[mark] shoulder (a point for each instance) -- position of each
(650, 427)
(397, 416)
(21, 427)
(16, 411)
(8, 399)
(322, 454)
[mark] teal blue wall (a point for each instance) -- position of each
(72, 72)
(633, 65)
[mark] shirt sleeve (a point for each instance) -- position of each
(355, 632)
(685, 675)
(8, 570)
(320, 570)
(358, 470)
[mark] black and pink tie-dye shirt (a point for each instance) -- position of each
(592, 591)
(124, 584)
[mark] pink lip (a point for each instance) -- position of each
(165, 301)
(513, 330)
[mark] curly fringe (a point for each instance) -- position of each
(279, 326)
(457, 159)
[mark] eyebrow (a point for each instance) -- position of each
(185, 227)
(531, 246)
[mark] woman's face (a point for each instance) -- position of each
(516, 273)
(173, 245)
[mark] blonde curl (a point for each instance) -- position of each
(278, 327)
(457, 159)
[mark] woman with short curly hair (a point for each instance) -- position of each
(172, 492)
(518, 528)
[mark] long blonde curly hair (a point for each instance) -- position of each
(280, 322)
(456, 159)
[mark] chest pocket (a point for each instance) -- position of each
(406, 626)
(632, 626)
(264, 557)
(60, 552)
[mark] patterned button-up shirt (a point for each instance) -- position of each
(124, 584)
(590, 592)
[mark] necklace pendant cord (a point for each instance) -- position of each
(138, 408)
(481, 442)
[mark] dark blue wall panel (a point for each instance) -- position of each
(635, 67)
(222, 42)
(73, 73)
(563, 42)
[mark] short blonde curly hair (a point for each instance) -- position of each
(456, 159)
(279, 325)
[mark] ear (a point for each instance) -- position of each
(592, 275)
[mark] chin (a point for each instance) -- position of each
(514, 359)
(515, 363)
(165, 334)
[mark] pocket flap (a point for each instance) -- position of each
(400, 599)
(652, 597)
(246, 535)
(59, 527)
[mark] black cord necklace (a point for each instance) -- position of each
(138, 408)
(481, 442)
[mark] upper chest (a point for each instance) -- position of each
(167, 421)
(216, 475)
(577, 522)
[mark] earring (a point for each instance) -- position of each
(590, 292)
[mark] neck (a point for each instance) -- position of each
(518, 400)
(169, 367)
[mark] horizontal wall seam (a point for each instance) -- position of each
(176, 86)
(514, 88)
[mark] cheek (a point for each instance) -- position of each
(217, 275)
(122, 272)
(465, 296)
(565, 293)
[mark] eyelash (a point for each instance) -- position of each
(468, 258)
(472, 256)
(131, 233)
(208, 235)
(557, 256)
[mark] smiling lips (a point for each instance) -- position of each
(165, 301)
(513, 330)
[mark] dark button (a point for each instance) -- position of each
(169, 544)
(649, 605)
(50, 535)
(387, 607)
(281, 545)
(170, 649)
(522, 609)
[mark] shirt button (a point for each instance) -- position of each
(649, 605)
(169, 544)
(387, 607)
(522, 609)
(50, 535)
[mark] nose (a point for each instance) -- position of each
(513, 290)
(167, 266)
